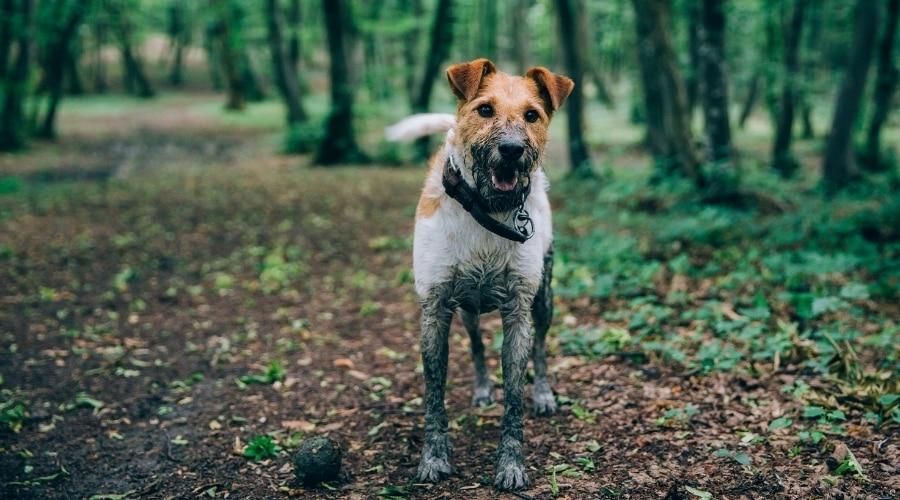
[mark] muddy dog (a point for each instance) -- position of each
(468, 257)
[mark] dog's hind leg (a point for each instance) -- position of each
(482, 394)
(436, 317)
(542, 315)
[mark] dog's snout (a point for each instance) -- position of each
(511, 150)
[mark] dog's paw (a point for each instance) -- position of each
(433, 468)
(544, 402)
(511, 476)
(483, 396)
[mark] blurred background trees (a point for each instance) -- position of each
(688, 71)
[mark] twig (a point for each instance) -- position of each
(521, 495)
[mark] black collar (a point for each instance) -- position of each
(457, 188)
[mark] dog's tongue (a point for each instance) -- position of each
(504, 184)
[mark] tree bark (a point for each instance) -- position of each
(838, 167)
(73, 71)
(713, 83)
(100, 30)
(782, 159)
(885, 86)
(487, 29)
(668, 120)
(579, 157)
(178, 40)
(58, 51)
(692, 79)
(13, 130)
(285, 75)
(7, 26)
(339, 144)
(410, 48)
(135, 78)
(438, 50)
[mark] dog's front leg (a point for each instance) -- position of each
(517, 340)
(436, 316)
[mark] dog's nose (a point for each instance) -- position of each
(511, 150)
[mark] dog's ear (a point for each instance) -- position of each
(465, 78)
(553, 88)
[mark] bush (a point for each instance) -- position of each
(303, 137)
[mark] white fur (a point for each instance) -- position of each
(451, 240)
(420, 125)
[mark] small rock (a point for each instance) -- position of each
(318, 459)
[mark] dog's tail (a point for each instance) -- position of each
(421, 125)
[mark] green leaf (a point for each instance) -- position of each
(888, 399)
(261, 448)
(813, 412)
(701, 494)
(780, 423)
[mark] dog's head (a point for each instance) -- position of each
(502, 125)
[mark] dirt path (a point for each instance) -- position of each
(132, 305)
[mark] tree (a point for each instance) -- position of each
(665, 99)
(135, 78)
(179, 38)
(520, 33)
(15, 33)
(285, 73)
(69, 16)
(487, 29)
(782, 159)
(885, 86)
(712, 82)
(225, 46)
(294, 17)
(838, 166)
(438, 50)
(579, 158)
(339, 144)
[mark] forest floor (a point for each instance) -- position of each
(172, 291)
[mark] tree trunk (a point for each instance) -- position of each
(692, 79)
(285, 75)
(665, 99)
(58, 51)
(100, 83)
(73, 72)
(806, 119)
(339, 144)
(134, 69)
(750, 101)
(253, 89)
(178, 39)
(224, 47)
(782, 159)
(7, 26)
(713, 83)
(885, 85)
(438, 50)
(520, 34)
(13, 129)
(294, 16)
(487, 29)
(410, 49)
(579, 158)
(838, 167)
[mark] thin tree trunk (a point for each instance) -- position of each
(782, 159)
(713, 83)
(885, 86)
(294, 16)
(59, 50)
(339, 144)
(838, 167)
(7, 16)
(438, 50)
(487, 29)
(13, 129)
(665, 98)
(579, 158)
(692, 79)
(73, 73)
(224, 47)
(750, 101)
(136, 78)
(520, 33)
(100, 83)
(806, 119)
(410, 49)
(285, 76)
(177, 40)
(253, 89)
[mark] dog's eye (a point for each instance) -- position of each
(531, 116)
(486, 111)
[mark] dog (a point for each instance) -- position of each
(468, 258)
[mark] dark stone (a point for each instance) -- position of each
(318, 459)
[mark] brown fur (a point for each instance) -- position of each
(477, 83)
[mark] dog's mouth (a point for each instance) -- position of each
(505, 177)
